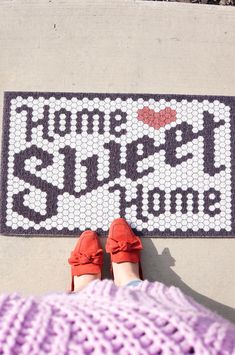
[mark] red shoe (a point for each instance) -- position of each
(87, 257)
(123, 244)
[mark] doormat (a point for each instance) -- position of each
(76, 161)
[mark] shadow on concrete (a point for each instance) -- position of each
(160, 266)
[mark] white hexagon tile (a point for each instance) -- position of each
(76, 161)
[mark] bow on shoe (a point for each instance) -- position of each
(114, 246)
(83, 258)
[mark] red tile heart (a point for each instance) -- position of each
(156, 119)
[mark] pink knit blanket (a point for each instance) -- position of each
(150, 318)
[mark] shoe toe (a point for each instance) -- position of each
(120, 230)
(89, 234)
(88, 242)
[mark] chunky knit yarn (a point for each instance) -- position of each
(150, 318)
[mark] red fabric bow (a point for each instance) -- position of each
(83, 258)
(114, 246)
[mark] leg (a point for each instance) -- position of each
(125, 272)
(83, 280)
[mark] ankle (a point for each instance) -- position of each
(125, 272)
(125, 280)
(83, 280)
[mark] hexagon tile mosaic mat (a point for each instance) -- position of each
(76, 161)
